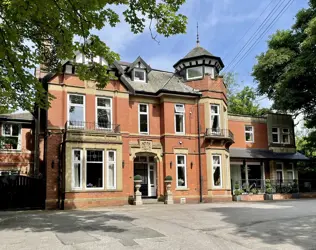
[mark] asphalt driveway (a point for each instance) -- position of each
(261, 225)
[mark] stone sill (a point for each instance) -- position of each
(182, 189)
(95, 190)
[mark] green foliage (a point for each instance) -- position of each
(237, 186)
(307, 146)
(254, 191)
(244, 103)
(231, 82)
(168, 178)
(36, 32)
(238, 192)
(286, 71)
(269, 189)
(137, 178)
(295, 186)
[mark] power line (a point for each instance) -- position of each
(264, 32)
(250, 27)
(258, 30)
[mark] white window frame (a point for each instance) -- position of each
(19, 136)
(86, 165)
(250, 132)
(139, 70)
(279, 170)
(143, 113)
(221, 170)
(219, 118)
(178, 112)
(76, 105)
(185, 171)
(73, 161)
(106, 108)
(288, 134)
(108, 162)
(276, 133)
(292, 170)
(192, 78)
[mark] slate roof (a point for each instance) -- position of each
(25, 116)
(251, 153)
(197, 51)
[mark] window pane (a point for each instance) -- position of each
(143, 108)
(143, 123)
(104, 118)
(10, 142)
(151, 159)
(77, 156)
(76, 99)
(181, 176)
(179, 108)
(214, 109)
(179, 123)
(286, 138)
(285, 130)
(7, 129)
(111, 175)
(151, 176)
(275, 138)
(94, 175)
(104, 102)
(76, 115)
(77, 175)
(274, 130)
(180, 159)
(15, 129)
(279, 176)
(194, 72)
(216, 159)
(279, 166)
(249, 137)
(289, 175)
(215, 122)
(139, 75)
(217, 175)
(248, 128)
(95, 155)
(111, 156)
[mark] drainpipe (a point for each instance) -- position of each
(199, 150)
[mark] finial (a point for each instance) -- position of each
(197, 35)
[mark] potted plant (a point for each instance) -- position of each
(254, 191)
(168, 179)
(268, 194)
(237, 192)
(137, 179)
(295, 190)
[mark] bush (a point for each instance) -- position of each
(254, 191)
(168, 178)
(237, 186)
(137, 178)
(268, 187)
(238, 192)
(295, 186)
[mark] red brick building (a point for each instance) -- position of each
(154, 123)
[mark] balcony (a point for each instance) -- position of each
(92, 132)
(222, 135)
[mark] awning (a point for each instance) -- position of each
(251, 153)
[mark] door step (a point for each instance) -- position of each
(150, 200)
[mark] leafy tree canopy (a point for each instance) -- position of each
(286, 73)
(42, 32)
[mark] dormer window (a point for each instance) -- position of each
(194, 73)
(139, 75)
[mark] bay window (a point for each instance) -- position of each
(111, 169)
(179, 118)
(94, 169)
(181, 171)
(217, 171)
(76, 110)
(10, 136)
(77, 168)
(104, 112)
(215, 118)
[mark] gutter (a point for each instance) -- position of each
(199, 151)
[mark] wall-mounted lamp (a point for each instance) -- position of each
(53, 163)
(191, 164)
(123, 164)
(170, 164)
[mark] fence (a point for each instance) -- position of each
(277, 186)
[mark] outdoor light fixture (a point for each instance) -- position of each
(170, 164)
(191, 164)
(123, 164)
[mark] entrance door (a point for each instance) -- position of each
(151, 180)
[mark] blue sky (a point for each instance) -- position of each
(222, 24)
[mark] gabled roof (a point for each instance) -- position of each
(25, 116)
(197, 51)
(139, 60)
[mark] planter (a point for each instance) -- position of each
(168, 196)
(268, 197)
(296, 195)
(138, 194)
(236, 197)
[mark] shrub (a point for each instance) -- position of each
(238, 192)
(168, 178)
(137, 178)
(295, 186)
(254, 191)
(237, 186)
(268, 187)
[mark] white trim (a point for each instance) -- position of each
(196, 77)
(277, 170)
(101, 107)
(107, 169)
(86, 163)
(143, 113)
(220, 170)
(139, 70)
(185, 171)
(276, 133)
(250, 132)
(19, 136)
(79, 105)
(179, 113)
(293, 173)
(288, 134)
(73, 161)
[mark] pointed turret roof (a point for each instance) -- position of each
(197, 51)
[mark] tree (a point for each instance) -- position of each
(286, 72)
(244, 103)
(36, 32)
(231, 82)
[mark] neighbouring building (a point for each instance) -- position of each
(155, 123)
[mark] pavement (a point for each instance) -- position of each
(244, 225)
